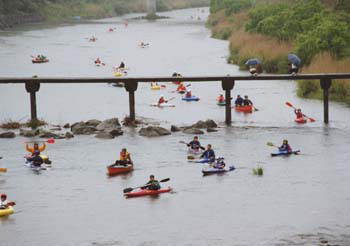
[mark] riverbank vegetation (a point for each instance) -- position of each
(315, 30)
(58, 10)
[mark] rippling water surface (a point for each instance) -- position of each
(300, 200)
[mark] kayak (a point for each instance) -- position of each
(118, 74)
(156, 87)
(285, 153)
(181, 92)
(40, 61)
(163, 105)
(115, 170)
(212, 170)
(44, 157)
(118, 84)
(6, 211)
(3, 170)
(146, 192)
(189, 99)
(194, 151)
(244, 109)
(301, 120)
(221, 103)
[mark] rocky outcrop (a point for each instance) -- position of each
(66, 125)
(7, 135)
(47, 134)
(115, 132)
(194, 131)
(81, 128)
(205, 124)
(154, 131)
(109, 124)
(93, 123)
(174, 128)
(29, 133)
(104, 135)
(68, 135)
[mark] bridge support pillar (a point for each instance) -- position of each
(325, 85)
(32, 87)
(227, 86)
(131, 87)
(151, 7)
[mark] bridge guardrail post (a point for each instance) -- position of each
(131, 87)
(325, 85)
(32, 87)
(227, 86)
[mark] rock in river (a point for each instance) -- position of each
(154, 131)
(7, 135)
(104, 135)
(28, 133)
(193, 131)
(205, 124)
(109, 124)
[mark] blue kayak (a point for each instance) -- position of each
(285, 153)
(212, 170)
(192, 98)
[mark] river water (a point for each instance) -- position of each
(298, 201)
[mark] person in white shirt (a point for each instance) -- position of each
(3, 201)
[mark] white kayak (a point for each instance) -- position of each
(163, 105)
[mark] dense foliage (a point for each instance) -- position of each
(230, 6)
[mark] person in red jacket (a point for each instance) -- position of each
(161, 100)
(221, 98)
(298, 113)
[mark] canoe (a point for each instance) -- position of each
(301, 120)
(211, 170)
(221, 103)
(189, 99)
(6, 211)
(115, 170)
(146, 192)
(285, 153)
(40, 61)
(244, 109)
(163, 105)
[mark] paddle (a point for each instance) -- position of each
(255, 109)
(291, 105)
(127, 190)
(183, 142)
(271, 144)
(49, 141)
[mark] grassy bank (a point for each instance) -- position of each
(317, 31)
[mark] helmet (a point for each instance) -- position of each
(3, 196)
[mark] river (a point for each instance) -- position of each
(298, 201)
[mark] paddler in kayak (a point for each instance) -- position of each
(208, 155)
(239, 101)
(298, 113)
(121, 66)
(221, 99)
(152, 184)
(36, 160)
(4, 203)
(36, 147)
(161, 100)
(124, 158)
(181, 87)
(246, 101)
(188, 94)
(285, 147)
(98, 61)
(219, 164)
(195, 144)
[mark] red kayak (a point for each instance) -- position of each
(115, 170)
(244, 109)
(146, 192)
(301, 120)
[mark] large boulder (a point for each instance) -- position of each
(77, 125)
(104, 135)
(174, 128)
(154, 131)
(29, 133)
(67, 125)
(93, 123)
(109, 124)
(205, 124)
(47, 134)
(68, 135)
(115, 132)
(7, 135)
(83, 130)
(194, 131)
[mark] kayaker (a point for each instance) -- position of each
(253, 70)
(36, 147)
(298, 113)
(161, 100)
(98, 61)
(239, 101)
(3, 201)
(36, 160)
(152, 184)
(221, 98)
(246, 101)
(285, 147)
(124, 158)
(188, 94)
(219, 164)
(181, 87)
(122, 65)
(195, 144)
(208, 155)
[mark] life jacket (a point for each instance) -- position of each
(221, 99)
(299, 114)
(124, 156)
(181, 88)
(161, 100)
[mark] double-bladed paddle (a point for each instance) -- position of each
(183, 142)
(127, 190)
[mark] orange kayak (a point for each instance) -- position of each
(301, 120)
(146, 192)
(244, 109)
(115, 170)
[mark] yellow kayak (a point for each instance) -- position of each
(7, 211)
(155, 87)
(118, 74)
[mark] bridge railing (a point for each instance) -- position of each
(32, 86)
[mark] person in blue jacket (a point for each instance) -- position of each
(208, 155)
(285, 147)
(239, 101)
